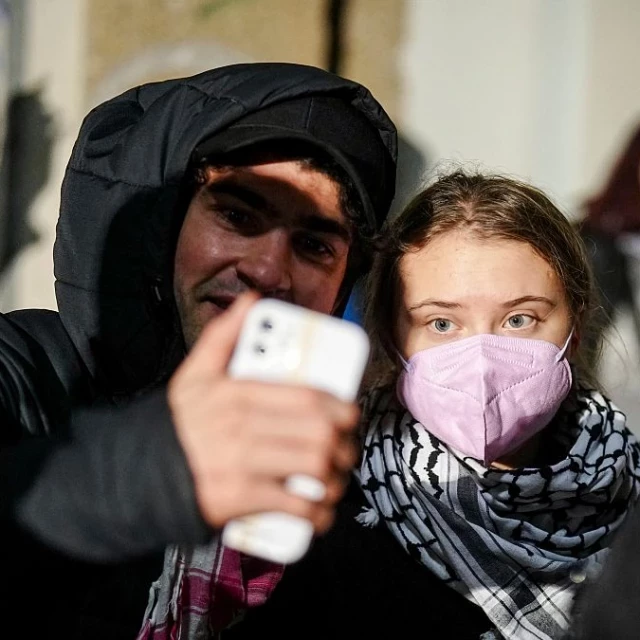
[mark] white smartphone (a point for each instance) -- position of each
(282, 342)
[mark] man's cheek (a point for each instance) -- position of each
(325, 298)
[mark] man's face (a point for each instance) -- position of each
(276, 227)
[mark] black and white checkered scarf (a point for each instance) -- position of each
(517, 543)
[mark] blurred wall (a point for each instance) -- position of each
(135, 41)
(538, 88)
(5, 62)
(46, 78)
(612, 102)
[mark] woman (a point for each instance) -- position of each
(495, 474)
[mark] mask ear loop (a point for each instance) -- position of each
(404, 362)
(563, 351)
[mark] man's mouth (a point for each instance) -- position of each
(222, 302)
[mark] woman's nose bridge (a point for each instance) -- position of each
(482, 325)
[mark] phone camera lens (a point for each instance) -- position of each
(259, 348)
(267, 325)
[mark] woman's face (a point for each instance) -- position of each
(458, 286)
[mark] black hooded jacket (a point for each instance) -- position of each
(91, 472)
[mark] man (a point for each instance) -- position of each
(182, 199)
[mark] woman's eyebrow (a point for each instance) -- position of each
(517, 301)
(431, 302)
(444, 304)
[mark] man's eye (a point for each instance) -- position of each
(234, 216)
(239, 219)
(310, 245)
(519, 321)
(441, 325)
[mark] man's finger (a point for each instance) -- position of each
(212, 351)
(282, 399)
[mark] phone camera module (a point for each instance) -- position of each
(266, 325)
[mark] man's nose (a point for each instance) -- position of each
(266, 265)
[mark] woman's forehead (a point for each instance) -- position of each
(458, 264)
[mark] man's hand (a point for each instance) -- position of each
(243, 439)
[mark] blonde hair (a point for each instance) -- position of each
(490, 206)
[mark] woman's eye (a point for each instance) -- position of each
(519, 321)
(441, 325)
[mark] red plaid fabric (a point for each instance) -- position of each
(202, 590)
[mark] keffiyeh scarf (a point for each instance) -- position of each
(517, 543)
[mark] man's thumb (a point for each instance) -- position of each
(215, 345)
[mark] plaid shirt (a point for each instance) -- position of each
(202, 590)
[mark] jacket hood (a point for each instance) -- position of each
(120, 203)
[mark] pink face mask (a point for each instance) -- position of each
(486, 395)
